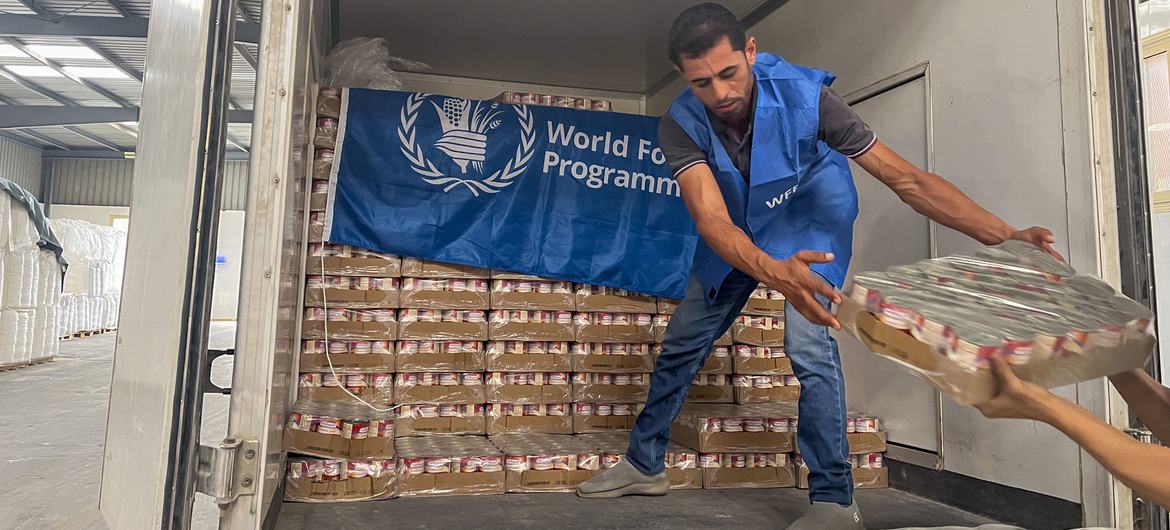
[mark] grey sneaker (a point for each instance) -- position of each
(623, 479)
(829, 515)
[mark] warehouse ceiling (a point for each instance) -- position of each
(601, 44)
(90, 54)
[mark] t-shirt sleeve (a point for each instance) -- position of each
(680, 150)
(841, 128)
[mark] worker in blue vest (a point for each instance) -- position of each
(760, 148)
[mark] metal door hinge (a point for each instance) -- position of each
(228, 470)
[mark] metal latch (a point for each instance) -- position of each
(208, 386)
(228, 470)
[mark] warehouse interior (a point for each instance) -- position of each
(71, 83)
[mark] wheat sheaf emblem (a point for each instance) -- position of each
(466, 125)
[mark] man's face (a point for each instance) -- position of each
(722, 78)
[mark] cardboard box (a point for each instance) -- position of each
(863, 478)
(336, 446)
(351, 298)
(776, 394)
(534, 301)
(748, 477)
(443, 484)
(418, 268)
(685, 479)
(529, 362)
(529, 394)
(527, 331)
(318, 202)
(763, 366)
(742, 334)
(442, 395)
(350, 489)
(763, 306)
(533, 481)
(472, 424)
(595, 424)
(613, 364)
(316, 232)
(597, 393)
(530, 424)
(350, 362)
(667, 306)
(380, 396)
(631, 333)
(339, 266)
(612, 303)
(435, 299)
(711, 394)
(687, 435)
(862, 443)
(966, 386)
(616, 443)
(725, 339)
(713, 365)
(315, 329)
(441, 362)
(419, 330)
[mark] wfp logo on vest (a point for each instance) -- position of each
(777, 200)
(468, 137)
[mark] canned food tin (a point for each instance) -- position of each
(583, 409)
(338, 315)
(556, 409)
(313, 346)
(360, 283)
(753, 425)
(541, 462)
(762, 460)
(471, 378)
(546, 100)
(330, 426)
(563, 101)
(490, 463)
(381, 347)
(381, 381)
(361, 347)
(315, 282)
(721, 351)
(527, 99)
(331, 469)
(331, 380)
(558, 378)
(778, 424)
(621, 379)
(762, 381)
(709, 460)
(427, 411)
(603, 409)
(356, 381)
(469, 464)
(534, 348)
(643, 320)
(738, 460)
(448, 379)
(438, 464)
(622, 409)
(601, 105)
(732, 424)
(583, 103)
(713, 425)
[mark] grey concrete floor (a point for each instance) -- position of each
(52, 427)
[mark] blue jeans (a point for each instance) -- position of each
(693, 329)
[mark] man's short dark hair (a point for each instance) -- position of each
(700, 28)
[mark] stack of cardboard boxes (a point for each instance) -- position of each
(491, 381)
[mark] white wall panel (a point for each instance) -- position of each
(22, 165)
(106, 182)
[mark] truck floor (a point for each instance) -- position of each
(52, 426)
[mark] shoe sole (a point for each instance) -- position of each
(652, 490)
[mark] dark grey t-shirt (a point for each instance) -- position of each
(840, 127)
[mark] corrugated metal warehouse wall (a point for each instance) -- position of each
(106, 182)
(21, 164)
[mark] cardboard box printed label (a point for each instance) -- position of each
(514, 418)
(597, 298)
(444, 388)
(417, 268)
(614, 327)
(431, 418)
(533, 294)
(611, 388)
(329, 480)
(440, 356)
(524, 325)
(612, 357)
(522, 356)
(528, 387)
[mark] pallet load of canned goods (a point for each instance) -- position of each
(682, 464)
(867, 447)
(347, 452)
(550, 100)
(944, 318)
(546, 462)
(30, 286)
(740, 446)
(311, 479)
(449, 465)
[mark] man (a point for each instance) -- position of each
(758, 147)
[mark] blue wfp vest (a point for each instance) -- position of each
(801, 195)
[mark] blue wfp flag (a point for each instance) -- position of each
(569, 194)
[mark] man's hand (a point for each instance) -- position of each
(1015, 398)
(800, 285)
(1039, 236)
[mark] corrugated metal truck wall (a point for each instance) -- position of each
(22, 165)
(106, 182)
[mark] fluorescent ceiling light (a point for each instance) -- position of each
(64, 52)
(8, 50)
(96, 72)
(25, 70)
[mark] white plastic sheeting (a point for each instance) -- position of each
(93, 283)
(30, 287)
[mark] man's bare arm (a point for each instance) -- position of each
(943, 202)
(792, 277)
(1148, 399)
